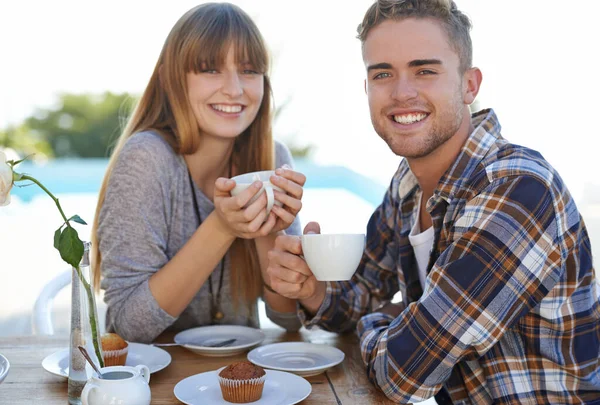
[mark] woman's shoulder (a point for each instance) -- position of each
(148, 152)
(148, 144)
(283, 155)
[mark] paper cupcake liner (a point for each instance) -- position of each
(240, 391)
(115, 357)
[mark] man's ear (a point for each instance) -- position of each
(471, 83)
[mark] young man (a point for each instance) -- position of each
(481, 236)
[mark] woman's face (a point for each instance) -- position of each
(225, 99)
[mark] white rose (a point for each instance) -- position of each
(6, 180)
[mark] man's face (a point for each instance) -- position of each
(416, 94)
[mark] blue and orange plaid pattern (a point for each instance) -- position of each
(510, 313)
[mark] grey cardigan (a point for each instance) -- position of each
(147, 217)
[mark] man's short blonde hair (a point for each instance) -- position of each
(456, 24)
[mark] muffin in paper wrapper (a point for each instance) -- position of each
(241, 391)
(115, 357)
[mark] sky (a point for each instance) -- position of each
(538, 59)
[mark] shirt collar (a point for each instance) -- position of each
(484, 136)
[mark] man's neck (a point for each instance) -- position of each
(429, 169)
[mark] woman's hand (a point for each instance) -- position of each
(247, 223)
(291, 182)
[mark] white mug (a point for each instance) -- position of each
(333, 257)
(243, 181)
(122, 385)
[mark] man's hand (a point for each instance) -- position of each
(290, 276)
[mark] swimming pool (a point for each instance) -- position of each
(62, 176)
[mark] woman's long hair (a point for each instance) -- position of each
(203, 35)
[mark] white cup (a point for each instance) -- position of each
(243, 181)
(333, 257)
(121, 385)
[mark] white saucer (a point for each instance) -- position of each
(304, 359)
(197, 339)
(154, 357)
(4, 367)
(280, 388)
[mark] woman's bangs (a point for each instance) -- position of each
(209, 49)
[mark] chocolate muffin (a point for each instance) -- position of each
(242, 382)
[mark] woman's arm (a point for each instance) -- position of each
(177, 282)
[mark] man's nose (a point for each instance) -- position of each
(404, 89)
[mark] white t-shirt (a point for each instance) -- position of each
(421, 242)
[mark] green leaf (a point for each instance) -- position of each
(19, 161)
(77, 218)
(70, 247)
(57, 239)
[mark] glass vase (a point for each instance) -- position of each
(85, 328)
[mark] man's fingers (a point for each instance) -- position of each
(289, 243)
(287, 275)
(312, 227)
(289, 261)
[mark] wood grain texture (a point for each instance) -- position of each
(28, 383)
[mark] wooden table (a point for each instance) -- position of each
(28, 383)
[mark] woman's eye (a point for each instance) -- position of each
(250, 72)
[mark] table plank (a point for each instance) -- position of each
(28, 383)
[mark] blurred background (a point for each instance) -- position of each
(70, 73)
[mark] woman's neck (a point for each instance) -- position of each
(209, 162)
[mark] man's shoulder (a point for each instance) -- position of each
(512, 160)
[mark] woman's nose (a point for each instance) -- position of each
(233, 85)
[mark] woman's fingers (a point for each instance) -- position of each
(292, 175)
(289, 186)
(239, 201)
(293, 203)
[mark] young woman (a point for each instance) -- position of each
(174, 248)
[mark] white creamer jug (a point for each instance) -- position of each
(121, 385)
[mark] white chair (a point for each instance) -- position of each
(42, 309)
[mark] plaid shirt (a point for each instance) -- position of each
(510, 313)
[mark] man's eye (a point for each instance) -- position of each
(426, 72)
(381, 75)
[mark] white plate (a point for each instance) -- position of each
(4, 366)
(280, 389)
(154, 357)
(304, 359)
(197, 339)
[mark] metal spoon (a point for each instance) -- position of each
(218, 344)
(89, 359)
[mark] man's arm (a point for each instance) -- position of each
(344, 303)
(503, 261)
